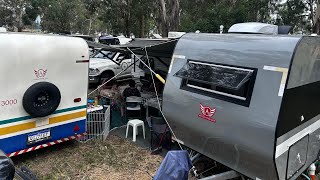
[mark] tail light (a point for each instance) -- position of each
(77, 100)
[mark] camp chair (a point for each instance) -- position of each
(133, 103)
(160, 133)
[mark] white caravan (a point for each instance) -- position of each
(43, 90)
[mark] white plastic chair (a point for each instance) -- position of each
(135, 123)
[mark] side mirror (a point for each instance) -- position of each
(7, 169)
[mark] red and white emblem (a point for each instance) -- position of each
(40, 73)
(207, 113)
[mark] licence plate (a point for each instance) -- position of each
(39, 136)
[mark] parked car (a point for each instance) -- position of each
(109, 40)
(106, 64)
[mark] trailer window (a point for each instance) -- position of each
(224, 82)
(305, 68)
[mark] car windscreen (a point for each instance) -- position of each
(104, 54)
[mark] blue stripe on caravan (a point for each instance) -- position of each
(29, 117)
(19, 142)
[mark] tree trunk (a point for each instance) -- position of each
(316, 25)
(127, 19)
(19, 20)
(169, 16)
(163, 18)
(142, 26)
(127, 24)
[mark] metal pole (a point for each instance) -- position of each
(157, 75)
(134, 61)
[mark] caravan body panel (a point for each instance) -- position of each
(240, 132)
(29, 59)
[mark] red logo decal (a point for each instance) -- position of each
(40, 73)
(207, 113)
(76, 128)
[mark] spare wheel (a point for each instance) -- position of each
(41, 99)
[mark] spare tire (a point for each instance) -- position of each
(41, 99)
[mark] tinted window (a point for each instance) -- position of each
(216, 75)
(229, 83)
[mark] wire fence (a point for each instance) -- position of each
(98, 123)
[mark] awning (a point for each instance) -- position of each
(162, 48)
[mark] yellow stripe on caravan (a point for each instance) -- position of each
(31, 125)
(67, 117)
(17, 128)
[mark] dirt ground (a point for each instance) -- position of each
(114, 159)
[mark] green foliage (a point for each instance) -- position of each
(294, 13)
(138, 17)
(128, 16)
(61, 15)
(5, 17)
(208, 15)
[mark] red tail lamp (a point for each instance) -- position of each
(77, 100)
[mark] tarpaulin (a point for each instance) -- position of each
(175, 166)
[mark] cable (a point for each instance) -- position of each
(110, 79)
(159, 104)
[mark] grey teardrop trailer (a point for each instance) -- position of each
(248, 101)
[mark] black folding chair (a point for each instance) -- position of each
(160, 133)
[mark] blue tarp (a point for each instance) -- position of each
(175, 166)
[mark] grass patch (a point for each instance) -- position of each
(114, 158)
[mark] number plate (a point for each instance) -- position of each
(39, 136)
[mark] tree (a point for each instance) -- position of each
(15, 9)
(92, 15)
(314, 6)
(169, 16)
(296, 14)
(142, 16)
(208, 15)
(128, 17)
(59, 15)
(31, 12)
(6, 17)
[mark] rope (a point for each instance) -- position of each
(159, 104)
(110, 79)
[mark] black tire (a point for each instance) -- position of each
(41, 99)
(106, 76)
